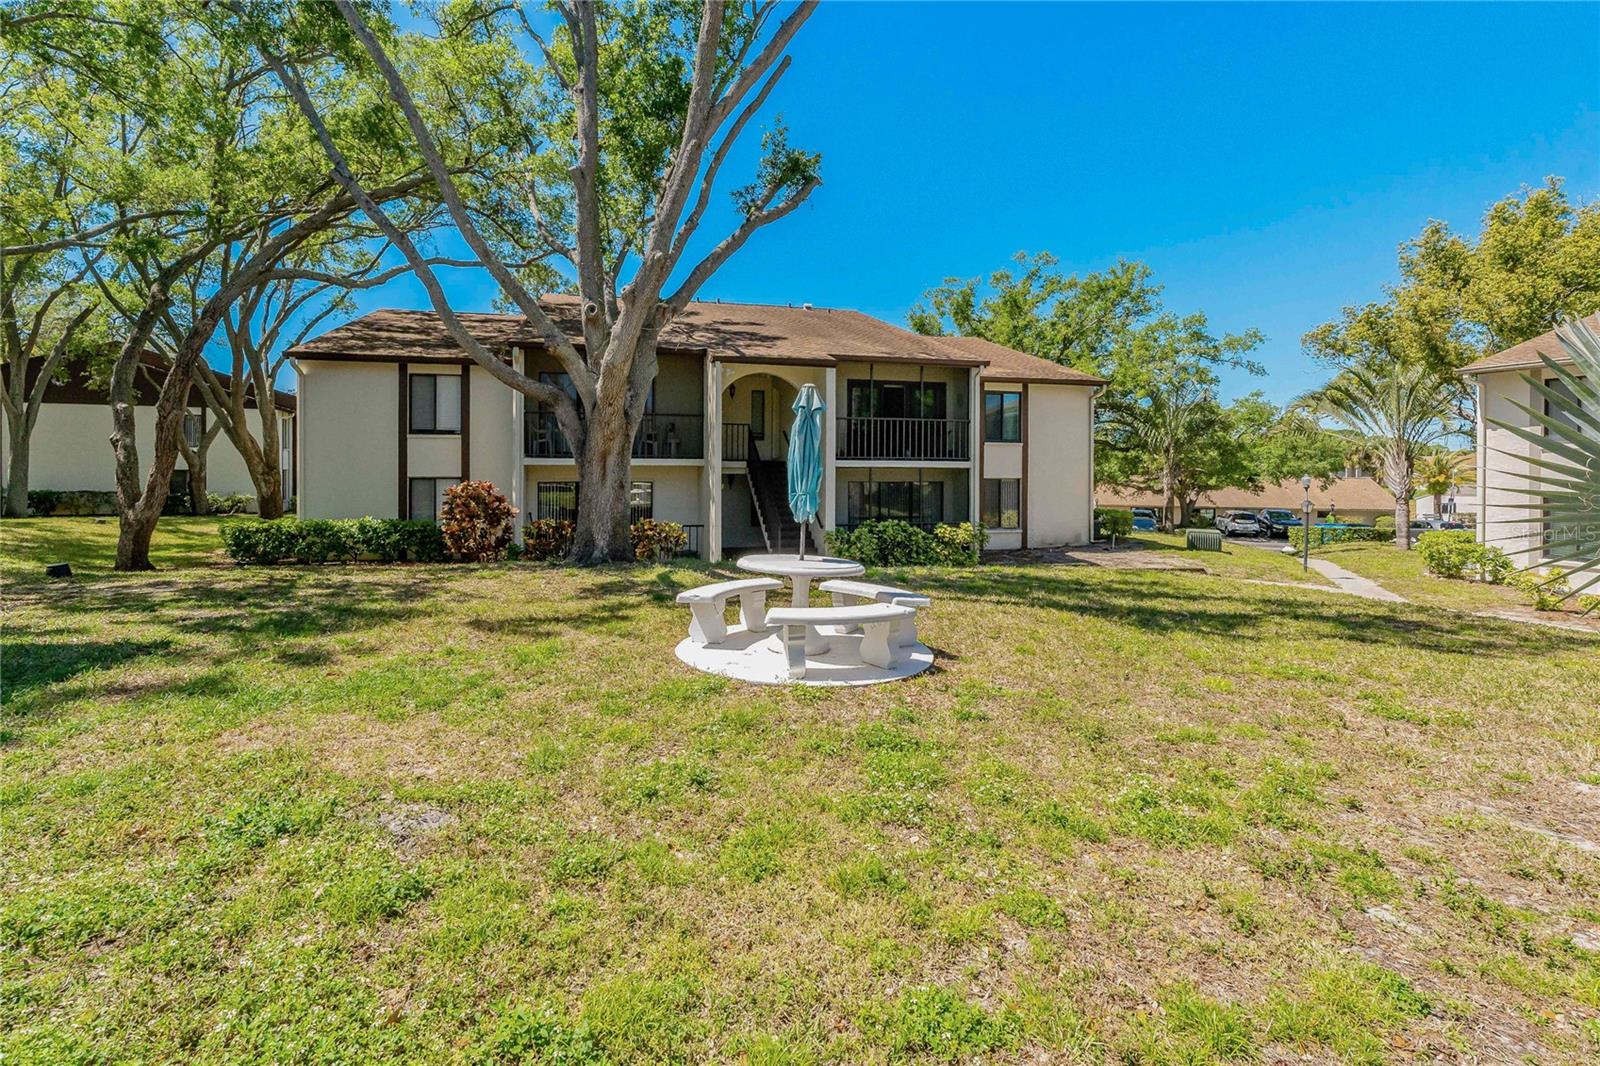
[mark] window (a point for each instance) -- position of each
(435, 403)
(919, 502)
(641, 500)
(558, 500)
(896, 399)
(192, 428)
(758, 414)
(1002, 417)
(427, 497)
(1002, 502)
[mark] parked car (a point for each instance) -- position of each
(1279, 521)
(1144, 520)
(1241, 524)
(1432, 521)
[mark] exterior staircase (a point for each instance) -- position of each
(769, 487)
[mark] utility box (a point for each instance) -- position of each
(1202, 540)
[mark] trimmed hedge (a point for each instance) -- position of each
(336, 540)
(1457, 553)
(897, 543)
(1331, 534)
(43, 503)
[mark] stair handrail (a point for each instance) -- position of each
(751, 471)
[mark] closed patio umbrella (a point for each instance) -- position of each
(805, 458)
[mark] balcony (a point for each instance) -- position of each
(660, 436)
(900, 439)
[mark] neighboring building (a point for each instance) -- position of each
(1503, 469)
(1359, 500)
(70, 450)
(925, 429)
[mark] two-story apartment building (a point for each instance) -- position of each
(925, 429)
(1504, 472)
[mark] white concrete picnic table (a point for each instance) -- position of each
(801, 572)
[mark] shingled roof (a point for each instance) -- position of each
(759, 333)
(1008, 364)
(1524, 355)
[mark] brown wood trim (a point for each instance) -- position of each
(983, 443)
(997, 380)
(466, 422)
(403, 508)
(1022, 489)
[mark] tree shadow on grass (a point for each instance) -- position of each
(1163, 603)
(256, 609)
(28, 665)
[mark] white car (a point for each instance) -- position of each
(1241, 524)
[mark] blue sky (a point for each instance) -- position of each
(1265, 160)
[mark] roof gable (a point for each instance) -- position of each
(1526, 354)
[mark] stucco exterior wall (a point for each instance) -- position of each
(1059, 474)
(1503, 466)
(71, 450)
(494, 441)
(349, 433)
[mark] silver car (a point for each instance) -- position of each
(1241, 524)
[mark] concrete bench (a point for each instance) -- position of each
(846, 592)
(707, 603)
(801, 633)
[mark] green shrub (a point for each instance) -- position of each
(1331, 534)
(960, 545)
(896, 543)
(289, 540)
(1547, 591)
(232, 503)
(1384, 521)
(1457, 553)
(657, 541)
(1113, 523)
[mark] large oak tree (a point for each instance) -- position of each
(640, 108)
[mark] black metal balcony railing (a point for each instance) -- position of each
(735, 442)
(904, 438)
(660, 436)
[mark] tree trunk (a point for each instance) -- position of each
(1398, 473)
(198, 504)
(17, 468)
(269, 492)
(601, 534)
(139, 507)
(268, 479)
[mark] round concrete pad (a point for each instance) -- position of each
(759, 659)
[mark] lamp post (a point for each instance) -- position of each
(1305, 523)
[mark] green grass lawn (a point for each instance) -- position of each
(1402, 573)
(1235, 560)
(482, 814)
(89, 544)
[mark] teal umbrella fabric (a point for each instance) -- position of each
(805, 458)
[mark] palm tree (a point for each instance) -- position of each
(1401, 407)
(1441, 472)
(1565, 493)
